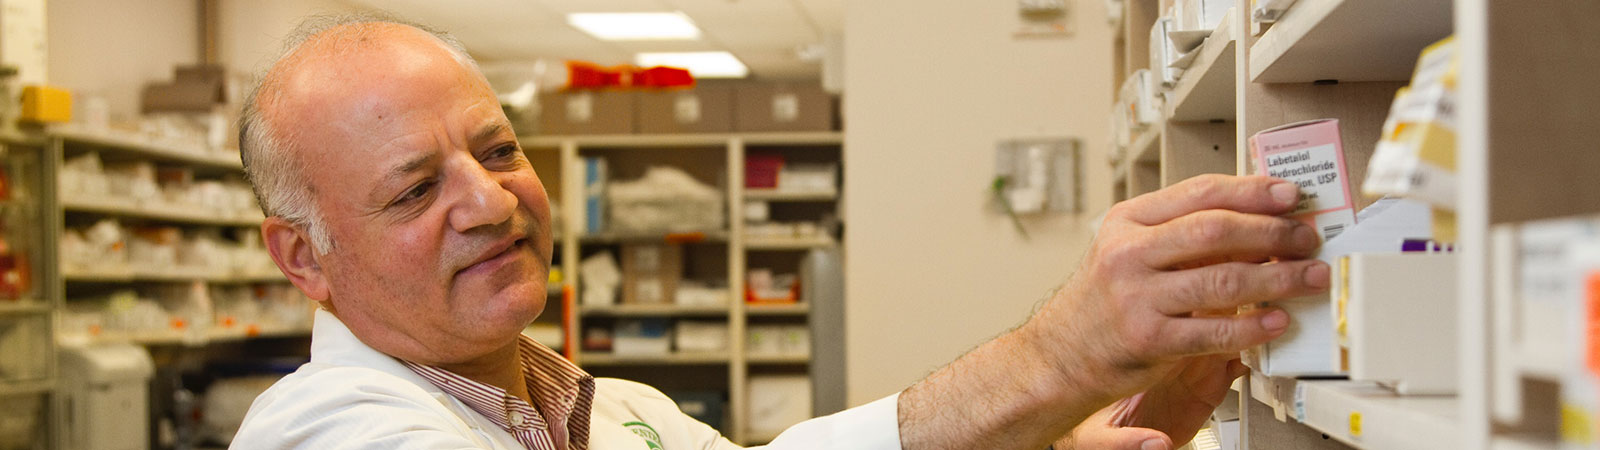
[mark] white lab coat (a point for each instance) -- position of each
(353, 397)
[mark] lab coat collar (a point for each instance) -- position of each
(333, 344)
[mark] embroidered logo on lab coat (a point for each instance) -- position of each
(650, 435)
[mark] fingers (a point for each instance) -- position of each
(1129, 438)
(1217, 234)
(1098, 432)
(1197, 336)
(1253, 194)
(1230, 285)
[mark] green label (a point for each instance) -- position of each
(649, 434)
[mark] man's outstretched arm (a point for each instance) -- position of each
(1128, 316)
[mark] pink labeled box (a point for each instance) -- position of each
(1310, 154)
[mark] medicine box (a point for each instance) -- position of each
(1308, 348)
(1311, 155)
(777, 402)
(642, 337)
(1384, 298)
(650, 272)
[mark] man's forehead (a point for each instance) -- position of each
(349, 92)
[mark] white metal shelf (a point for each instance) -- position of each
(1348, 40)
(1364, 415)
(149, 147)
(774, 195)
(604, 359)
(112, 274)
(23, 306)
(10, 388)
(686, 140)
(787, 243)
(1206, 91)
(792, 309)
(756, 358)
(210, 336)
(686, 237)
(157, 211)
(667, 310)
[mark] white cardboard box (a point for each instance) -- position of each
(778, 402)
(1307, 348)
(1385, 299)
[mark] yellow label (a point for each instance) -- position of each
(1576, 425)
(1355, 424)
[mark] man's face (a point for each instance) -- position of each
(441, 227)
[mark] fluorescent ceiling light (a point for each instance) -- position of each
(700, 64)
(655, 26)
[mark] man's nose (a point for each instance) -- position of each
(484, 201)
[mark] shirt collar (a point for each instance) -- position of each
(558, 388)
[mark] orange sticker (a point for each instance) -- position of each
(1592, 298)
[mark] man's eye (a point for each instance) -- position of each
(501, 152)
(416, 192)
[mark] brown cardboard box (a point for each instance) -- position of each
(194, 89)
(650, 272)
(587, 112)
(704, 109)
(782, 107)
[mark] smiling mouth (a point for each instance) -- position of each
(499, 259)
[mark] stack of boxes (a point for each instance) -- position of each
(707, 108)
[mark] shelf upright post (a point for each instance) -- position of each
(738, 371)
(1471, 29)
(572, 226)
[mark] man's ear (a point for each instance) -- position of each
(291, 249)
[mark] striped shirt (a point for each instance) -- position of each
(562, 391)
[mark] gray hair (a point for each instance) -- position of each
(279, 182)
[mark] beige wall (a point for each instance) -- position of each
(930, 88)
(111, 48)
(253, 30)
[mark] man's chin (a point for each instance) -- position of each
(517, 304)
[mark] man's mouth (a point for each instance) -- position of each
(497, 255)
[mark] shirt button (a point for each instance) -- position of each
(517, 418)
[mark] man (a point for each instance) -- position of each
(399, 200)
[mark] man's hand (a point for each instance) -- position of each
(1137, 307)
(1138, 304)
(1164, 417)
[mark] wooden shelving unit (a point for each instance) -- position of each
(1525, 94)
(718, 160)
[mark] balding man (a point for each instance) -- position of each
(398, 198)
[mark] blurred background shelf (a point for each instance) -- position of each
(787, 243)
(793, 309)
(1349, 40)
(149, 147)
(156, 211)
(774, 195)
(667, 310)
(605, 359)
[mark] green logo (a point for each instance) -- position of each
(650, 435)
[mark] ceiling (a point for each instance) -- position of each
(765, 34)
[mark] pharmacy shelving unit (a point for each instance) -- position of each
(714, 159)
(113, 145)
(1525, 152)
(174, 349)
(28, 374)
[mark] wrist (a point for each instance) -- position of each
(1065, 356)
